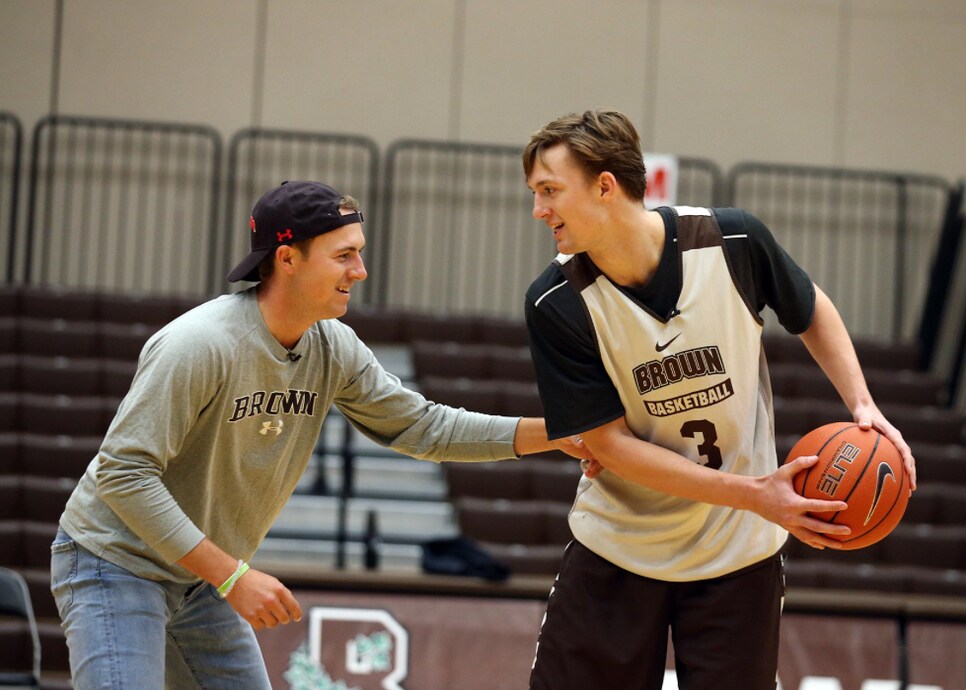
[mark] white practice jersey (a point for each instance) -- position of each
(694, 381)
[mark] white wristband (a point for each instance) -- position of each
(228, 584)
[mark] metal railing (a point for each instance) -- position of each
(867, 238)
(949, 322)
(700, 183)
(134, 206)
(11, 152)
(460, 237)
(259, 159)
(122, 205)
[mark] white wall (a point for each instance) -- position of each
(858, 83)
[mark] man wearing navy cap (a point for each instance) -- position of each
(149, 567)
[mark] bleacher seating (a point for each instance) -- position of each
(539, 490)
(926, 553)
(536, 478)
(66, 359)
(526, 535)
(378, 325)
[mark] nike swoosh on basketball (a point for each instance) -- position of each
(885, 470)
(662, 348)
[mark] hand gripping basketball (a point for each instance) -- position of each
(858, 466)
(781, 504)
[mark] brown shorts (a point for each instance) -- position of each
(607, 629)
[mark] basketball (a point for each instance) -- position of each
(862, 468)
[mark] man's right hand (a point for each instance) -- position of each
(778, 502)
(263, 601)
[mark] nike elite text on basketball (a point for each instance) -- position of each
(844, 457)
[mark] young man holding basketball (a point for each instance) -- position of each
(646, 338)
(148, 568)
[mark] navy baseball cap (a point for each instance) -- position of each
(291, 212)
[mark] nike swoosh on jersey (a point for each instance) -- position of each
(884, 471)
(662, 348)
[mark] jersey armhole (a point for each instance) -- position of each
(739, 288)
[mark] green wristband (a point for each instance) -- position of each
(226, 587)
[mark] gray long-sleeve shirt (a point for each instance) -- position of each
(220, 424)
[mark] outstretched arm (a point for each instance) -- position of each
(531, 437)
(828, 341)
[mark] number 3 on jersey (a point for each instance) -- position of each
(709, 435)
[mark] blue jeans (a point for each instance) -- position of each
(125, 632)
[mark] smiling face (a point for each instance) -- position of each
(566, 199)
(326, 268)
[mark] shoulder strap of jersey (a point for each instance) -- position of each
(578, 269)
(697, 228)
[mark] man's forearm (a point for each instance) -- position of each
(828, 341)
(209, 562)
(663, 470)
(531, 436)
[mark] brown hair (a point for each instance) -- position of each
(267, 265)
(600, 141)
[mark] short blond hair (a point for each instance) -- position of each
(600, 141)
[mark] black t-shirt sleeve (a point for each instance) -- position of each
(766, 273)
(576, 392)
